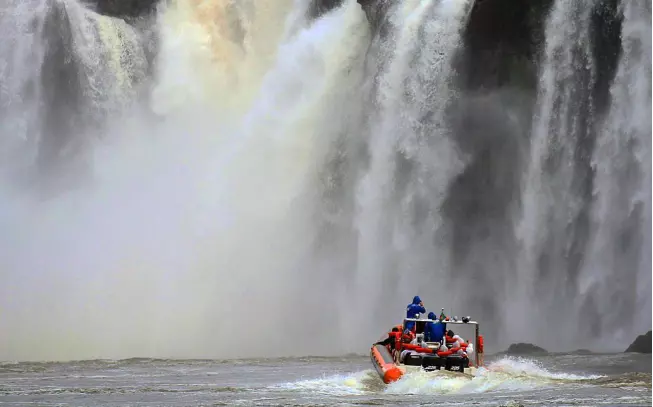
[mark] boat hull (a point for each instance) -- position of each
(468, 371)
(389, 371)
(384, 364)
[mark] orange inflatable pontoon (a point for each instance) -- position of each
(384, 364)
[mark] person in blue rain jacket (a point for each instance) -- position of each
(434, 331)
(412, 311)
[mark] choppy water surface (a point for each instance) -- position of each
(615, 379)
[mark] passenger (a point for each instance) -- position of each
(434, 331)
(412, 311)
(455, 340)
(418, 340)
(449, 337)
(408, 337)
(391, 339)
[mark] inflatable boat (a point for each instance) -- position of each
(401, 351)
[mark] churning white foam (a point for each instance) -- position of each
(506, 374)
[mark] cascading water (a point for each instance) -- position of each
(585, 246)
(272, 166)
(64, 67)
(411, 158)
(65, 70)
(553, 230)
(19, 73)
(619, 266)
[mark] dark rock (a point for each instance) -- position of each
(525, 349)
(320, 7)
(642, 344)
(374, 9)
(124, 8)
(606, 46)
(502, 41)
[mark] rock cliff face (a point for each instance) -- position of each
(125, 8)
(502, 38)
(140, 8)
(642, 344)
(319, 7)
(374, 9)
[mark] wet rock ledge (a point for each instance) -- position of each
(127, 9)
(525, 349)
(642, 344)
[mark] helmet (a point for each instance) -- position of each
(466, 319)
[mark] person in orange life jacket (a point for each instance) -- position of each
(412, 311)
(455, 340)
(434, 331)
(408, 337)
(391, 339)
(449, 337)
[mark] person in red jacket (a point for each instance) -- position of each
(391, 339)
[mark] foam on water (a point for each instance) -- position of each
(340, 384)
(517, 366)
(506, 374)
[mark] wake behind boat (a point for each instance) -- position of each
(405, 348)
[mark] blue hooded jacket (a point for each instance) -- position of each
(434, 331)
(412, 311)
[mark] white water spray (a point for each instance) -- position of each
(586, 195)
(620, 266)
(411, 161)
(551, 201)
(196, 221)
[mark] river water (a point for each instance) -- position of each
(561, 379)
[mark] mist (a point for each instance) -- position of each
(224, 180)
(191, 233)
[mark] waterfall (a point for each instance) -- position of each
(584, 197)
(411, 156)
(192, 182)
(65, 68)
(615, 283)
(553, 228)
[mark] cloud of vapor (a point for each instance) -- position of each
(265, 176)
(192, 233)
